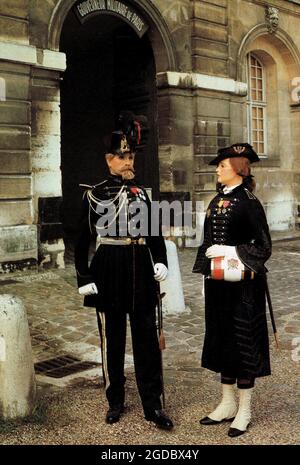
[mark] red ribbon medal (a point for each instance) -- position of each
(226, 203)
(135, 190)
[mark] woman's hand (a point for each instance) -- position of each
(221, 251)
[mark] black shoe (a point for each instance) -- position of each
(234, 432)
(113, 414)
(160, 419)
(210, 421)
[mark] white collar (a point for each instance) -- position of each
(227, 190)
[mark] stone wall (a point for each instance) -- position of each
(210, 37)
(29, 163)
(17, 232)
(223, 33)
(200, 49)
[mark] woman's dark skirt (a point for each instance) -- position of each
(236, 338)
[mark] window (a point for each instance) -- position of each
(257, 105)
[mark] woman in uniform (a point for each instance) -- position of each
(235, 248)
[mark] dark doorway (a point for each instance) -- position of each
(109, 68)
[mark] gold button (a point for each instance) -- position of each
(128, 240)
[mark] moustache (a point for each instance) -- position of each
(129, 169)
(128, 174)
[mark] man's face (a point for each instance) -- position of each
(121, 165)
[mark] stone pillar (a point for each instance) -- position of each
(17, 380)
(17, 231)
(46, 158)
(175, 110)
(45, 136)
(295, 114)
(210, 37)
(19, 84)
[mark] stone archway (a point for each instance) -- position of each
(276, 176)
(160, 37)
(281, 60)
(74, 152)
(282, 40)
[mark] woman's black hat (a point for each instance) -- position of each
(236, 150)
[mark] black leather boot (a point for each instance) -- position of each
(234, 432)
(159, 418)
(114, 413)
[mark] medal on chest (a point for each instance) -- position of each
(138, 193)
(222, 206)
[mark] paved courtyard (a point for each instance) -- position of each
(59, 324)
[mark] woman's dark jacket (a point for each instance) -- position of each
(236, 339)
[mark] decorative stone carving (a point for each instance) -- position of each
(272, 18)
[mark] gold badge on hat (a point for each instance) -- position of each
(238, 149)
(124, 145)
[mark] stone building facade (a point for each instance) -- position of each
(206, 72)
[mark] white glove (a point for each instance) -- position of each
(88, 289)
(160, 272)
(221, 251)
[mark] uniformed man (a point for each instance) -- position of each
(122, 277)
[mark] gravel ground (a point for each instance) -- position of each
(75, 414)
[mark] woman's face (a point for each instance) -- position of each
(226, 174)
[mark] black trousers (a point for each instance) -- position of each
(146, 354)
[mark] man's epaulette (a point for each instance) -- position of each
(249, 194)
(88, 188)
(100, 183)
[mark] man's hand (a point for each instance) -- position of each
(221, 251)
(160, 272)
(88, 289)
